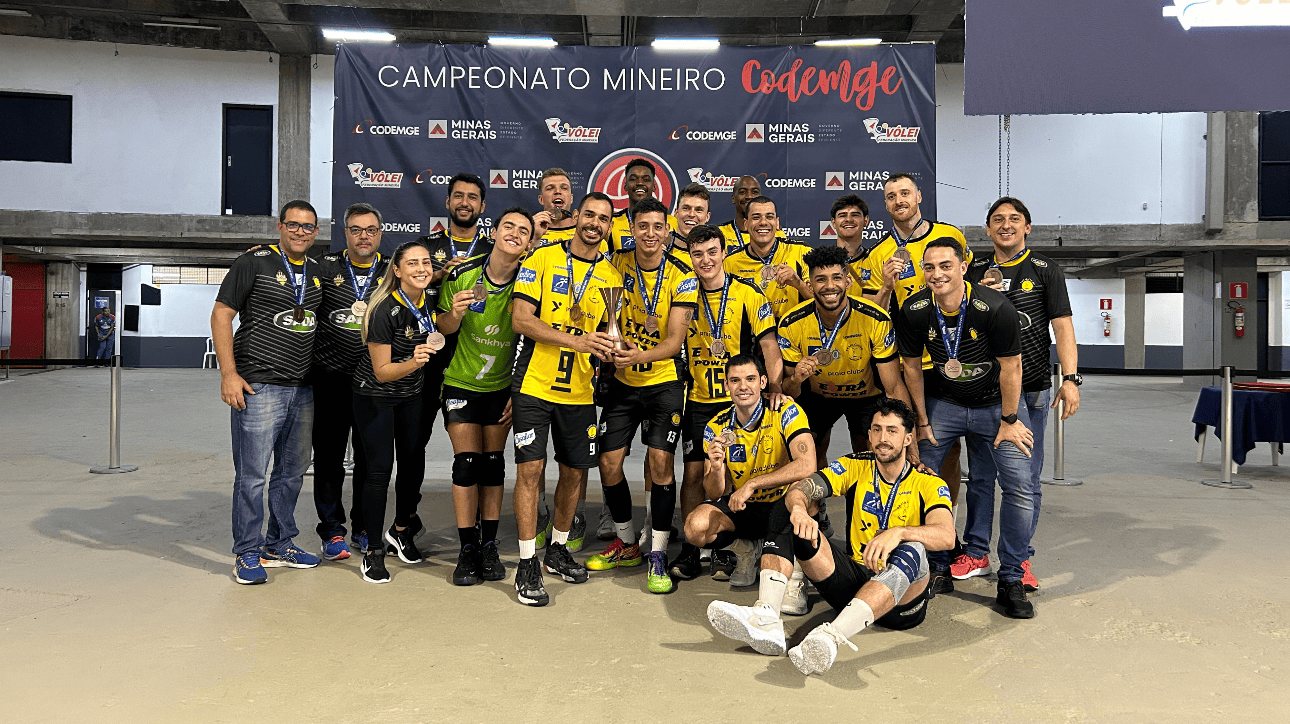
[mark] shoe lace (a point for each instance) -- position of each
(614, 548)
(249, 560)
(656, 563)
(828, 630)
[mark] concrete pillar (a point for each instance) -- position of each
(1242, 160)
(293, 128)
(63, 300)
(1242, 352)
(1135, 316)
(1200, 309)
(1215, 170)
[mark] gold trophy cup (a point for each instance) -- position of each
(613, 297)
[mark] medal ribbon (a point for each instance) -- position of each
(753, 420)
(424, 319)
(470, 251)
(360, 290)
(581, 288)
(884, 512)
(715, 325)
(488, 283)
(900, 243)
(739, 235)
(994, 264)
(952, 351)
(651, 305)
(827, 342)
(298, 290)
(770, 258)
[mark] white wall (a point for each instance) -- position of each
(1164, 322)
(321, 107)
(185, 309)
(1070, 169)
(1086, 315)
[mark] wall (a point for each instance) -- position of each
(172, 334)
(1164, 330)
(1084, 169)
(1096, 350)
(320, 109)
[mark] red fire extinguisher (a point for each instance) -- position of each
(1106, 324)
(1239, 318)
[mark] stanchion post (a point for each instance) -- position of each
(114, 425)
(1059, 437)
(1225, 480)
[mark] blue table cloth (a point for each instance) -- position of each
(1257, 416)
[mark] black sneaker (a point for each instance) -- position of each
(400, 543)
(1012, 596)
(528, 583)
(686, 566)
(941, 582)
(559, 560)
(468, 563)
(415, 526)
(723, 564)
(373, 567)
(491, 567)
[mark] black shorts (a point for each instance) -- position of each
(824, 412)
(848, 576)
(575, 431)
(656, 408)
(751, 522)
(696, 419)
(474, 408)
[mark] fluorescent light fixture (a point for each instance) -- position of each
(518, 42)
(1192, 14)
(376, 36)
(842, 42)
(187, 26)
(686, 44)
(15, 13)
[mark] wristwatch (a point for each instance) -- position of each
(1009, 418)
(1077, 378)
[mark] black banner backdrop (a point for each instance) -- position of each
(809, 123)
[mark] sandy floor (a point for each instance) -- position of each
(1159, 603)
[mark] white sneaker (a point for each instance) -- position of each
(795, 603)
(757, 626)
(818, 651)
(705, 555)
(605, 530)
(746, 556)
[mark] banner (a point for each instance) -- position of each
(811, 124)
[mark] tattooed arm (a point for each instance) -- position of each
(800, 499)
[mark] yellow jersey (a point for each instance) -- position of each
(736, 239)
(621, 237)
(876, 504)
(865, 338)
(859, 274)
(761, 447)
(559, 236)
(747, 264)
(673, 247)
(559, 374)
(747, 318)
(671, 284)
(911, 280)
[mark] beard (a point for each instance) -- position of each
(468, 222)
(888, 457)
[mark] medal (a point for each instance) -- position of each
(358, 308)
(557, 214)
(727, 438)
(951, 341)
(479, 291)
(425, 320)
(992, 276)
(651, 324)
(826, 355)
(651, 300)
(902, 254)
(297, 290)
(575, 312)
(435, 341)
(953, 368)
(767, 273)
(768, 269)
(717, 348)
(298, 314)
(577, 291)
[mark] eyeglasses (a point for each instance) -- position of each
(294, 226)
(361, 231)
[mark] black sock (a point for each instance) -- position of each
(619, 499)
(488, 530)
(469, 536)
(662, 503)
(723, 539)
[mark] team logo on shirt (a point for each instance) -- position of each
(920, 304)
(591, 432)
(287, 320)
(737, 453)
(1027, 285)
(281, 278)
(980, 305)
(527, 276)
(837, 467)
(687, 286)
(764, 310)
(790, 413)
(338, 280)
(440, 255)
(676, 418)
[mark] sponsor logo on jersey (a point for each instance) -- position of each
(688, 446)
(492, 329)
(687, 285)
(789, 414)
(453, 404)
(709, 435)
(837, 467)
(1038, 262)
(737, 453)
(629, 283)
(980, 305)
(884, 133)
(890, 339)
(920, 304)
(568, 133)
(345, 319)
(784, 343)
(685, 133)
(864, 275)
(712, 181)
(369, 179)
(527, 275)
(287, 320)
(870, 503)
(559, 284)
(525, 438)
(610, 175)
(764, 310)
(378, 130)
(262, 252)
(971, 372)
(943, 491)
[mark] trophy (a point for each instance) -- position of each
(613, 296)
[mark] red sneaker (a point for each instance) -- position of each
(966, 566)
(1028, 580)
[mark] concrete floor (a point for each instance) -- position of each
(1160, 602)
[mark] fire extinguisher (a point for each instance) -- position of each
(1106, 324)
(1239, 319)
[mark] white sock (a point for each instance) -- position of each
(559, 536)
(798, 576)
(771, 590)
(658, 538)
(624, 531)
(853, 619)
(528, 548)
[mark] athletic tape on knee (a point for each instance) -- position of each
(464, 468)
(493, 474)
(906, 563)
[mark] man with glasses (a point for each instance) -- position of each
(349, 278)
(275, 292)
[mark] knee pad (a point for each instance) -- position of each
(804, 550)
(494, 470)
(906, 564)
(465, 466)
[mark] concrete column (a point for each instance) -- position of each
(1200, 309)
(1242, 160)
(62, 313)
(293, 128)
(1215, 170)
(1243, 352)
(1135, 316)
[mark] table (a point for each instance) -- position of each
(1257, 416)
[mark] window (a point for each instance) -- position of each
(1274, 166)
(37, 127)
(188, 274)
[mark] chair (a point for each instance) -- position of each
(210, 360)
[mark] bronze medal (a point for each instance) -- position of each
(359, 308)
(480, 292)
(902, 254)
(768, 273)
(727, 438)
(298, 314)
(992, 276)
(557, 214)
(953, 369)
(435, 341)
(717, 348)
(575, 313)
(651, 324)
(825, 357)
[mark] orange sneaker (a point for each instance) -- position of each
(966, 566)
(1028, 580)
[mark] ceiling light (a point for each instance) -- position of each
(15, 13)
(516, 42)
(377, 36)
(188, 26)
(840, 42)
(686, 44)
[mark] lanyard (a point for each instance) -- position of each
(651, 305)
(360, 290)
(994, 264)
(488, 283)
(900, 243)
(714, 325)
(827, 342)
(739, 235)
(769, 257)
(426, 320)
(753, 420)
(296, 290)
(452, 243)
(884, 512)
(674, 239)
(580, 289)
(952, 350)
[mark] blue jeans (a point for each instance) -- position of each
(980, 493)
(105, 349)
(276, 426)
(980, 425)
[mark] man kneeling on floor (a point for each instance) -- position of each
(881, 579)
